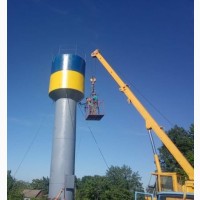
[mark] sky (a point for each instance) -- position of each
(150, 44)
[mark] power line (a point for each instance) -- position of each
(30, 145)
(153, 106)
(149, 102)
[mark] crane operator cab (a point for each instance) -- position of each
(92, 104)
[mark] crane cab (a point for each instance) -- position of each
(92, 105)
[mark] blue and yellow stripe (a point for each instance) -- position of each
(67, 77)
(68, 62)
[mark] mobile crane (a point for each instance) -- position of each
(174, 189)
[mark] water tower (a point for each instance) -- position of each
(66, 88)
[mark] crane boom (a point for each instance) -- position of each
(150, 122)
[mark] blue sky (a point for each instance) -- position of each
(149, 43)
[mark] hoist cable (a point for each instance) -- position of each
(93, 68)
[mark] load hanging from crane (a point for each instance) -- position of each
(92, 104)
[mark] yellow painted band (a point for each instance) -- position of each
(66, 79)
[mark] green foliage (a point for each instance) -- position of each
(15, 194)
(184, 140)
(118, 194)
(10, 181)
(124, 177)
(91, 187)
(41, 184)
(119, 183)
(14, 187)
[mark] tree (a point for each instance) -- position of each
(41, 184)
(10, 181)
(184, 141)
(15, 187)
(91, 188)
(118, 183)
(125, 181)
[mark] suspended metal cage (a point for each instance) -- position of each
(93, 107)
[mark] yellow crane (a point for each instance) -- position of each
(163, 178)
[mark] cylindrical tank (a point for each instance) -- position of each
(67, 77)
(66, 89)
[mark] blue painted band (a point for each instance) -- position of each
(68, 62)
